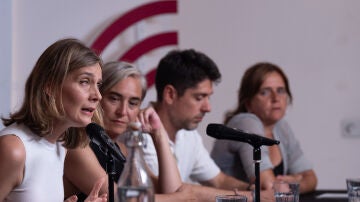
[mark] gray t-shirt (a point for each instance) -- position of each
(236, 158)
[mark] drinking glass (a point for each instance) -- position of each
(286, 191)
(353, 189)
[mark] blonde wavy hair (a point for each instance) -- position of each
(40, 109)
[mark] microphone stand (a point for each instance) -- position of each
(256, 141)
(257, 161)
(110, 170)
(105, 145)
(110, 166)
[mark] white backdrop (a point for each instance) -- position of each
(5, 57)
(317, 43)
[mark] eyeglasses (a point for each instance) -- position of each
(267, 92)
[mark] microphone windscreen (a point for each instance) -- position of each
(92, 129)
(214, 130)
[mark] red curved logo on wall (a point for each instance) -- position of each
(146, 45)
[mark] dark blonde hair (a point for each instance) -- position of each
(250, 85)
(42, 104)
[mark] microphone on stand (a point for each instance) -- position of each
(220, 131)
(99, 137)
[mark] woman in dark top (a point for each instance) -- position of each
(123, 90)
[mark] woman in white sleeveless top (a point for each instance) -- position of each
(61, 97)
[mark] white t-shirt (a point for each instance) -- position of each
(194, 161)
(44, 167)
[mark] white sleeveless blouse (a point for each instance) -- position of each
(44, 165)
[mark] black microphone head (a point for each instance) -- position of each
(214, 130)
(92, 129)
(220, 131)
(98, 136)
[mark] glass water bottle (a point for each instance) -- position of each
(135, 184)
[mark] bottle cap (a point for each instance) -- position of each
(135, 125)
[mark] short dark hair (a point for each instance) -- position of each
(184, 69)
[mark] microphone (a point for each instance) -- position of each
(98, 136)
(220, 131)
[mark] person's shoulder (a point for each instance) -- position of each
(283, 128)
(283, 125)
(12, 150)
(12, 160)
(79, 151)
(20, 130)
(283, 122)
(245, 116)
(188, 135)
